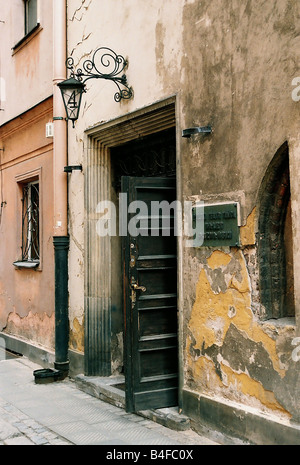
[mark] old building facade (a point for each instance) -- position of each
(27, 276)
(192, 64)
(33, 135)
(212, 327)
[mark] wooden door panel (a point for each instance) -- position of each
(151, 362)
(161, 247)
(160, 397)
(154, 362)
(157, 280)
(158, 321)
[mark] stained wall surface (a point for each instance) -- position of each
(26, 296)
(232, 65)
(25, 61)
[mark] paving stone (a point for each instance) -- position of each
(7, 430)
(60, 442)
(40, 430)
(21, 427)
(39, 440)
(18, 441)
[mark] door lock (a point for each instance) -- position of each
(136, 287)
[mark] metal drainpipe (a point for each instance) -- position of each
(60, 190)
(61, 247)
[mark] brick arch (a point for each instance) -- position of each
(274, 200)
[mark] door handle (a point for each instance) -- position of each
(136, 287)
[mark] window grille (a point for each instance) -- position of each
(30, 223)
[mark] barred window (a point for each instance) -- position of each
(30, 222)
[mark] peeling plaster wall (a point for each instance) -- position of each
(36, 328)
(243, 60)
(27, 296)
(229, 353)
(159, 52)
(230, 64)
(76, 263)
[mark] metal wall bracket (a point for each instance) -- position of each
(197, 130)
(69, 169)
(104, 64)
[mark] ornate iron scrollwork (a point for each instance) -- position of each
(104, 64)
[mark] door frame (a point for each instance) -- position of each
(97, 168)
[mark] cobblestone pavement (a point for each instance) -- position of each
(60, 414)
(16, 428)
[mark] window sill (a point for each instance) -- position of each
(27, 265)
(27, 38)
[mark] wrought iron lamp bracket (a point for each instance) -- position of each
(103, 59)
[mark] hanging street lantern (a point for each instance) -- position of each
(103, 59)
(71, 91)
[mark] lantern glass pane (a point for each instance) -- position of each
(72, 100)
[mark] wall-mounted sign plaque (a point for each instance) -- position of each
(221, 224)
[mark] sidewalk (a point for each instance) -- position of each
(61, 414)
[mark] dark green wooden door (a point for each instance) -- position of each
(150, 297)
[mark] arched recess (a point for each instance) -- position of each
(275, 239)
